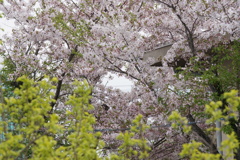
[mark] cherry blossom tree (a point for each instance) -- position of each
(87, 39)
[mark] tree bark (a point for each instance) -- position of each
(206, 139)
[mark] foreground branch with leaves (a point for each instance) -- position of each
(230, 145)
(30, 131)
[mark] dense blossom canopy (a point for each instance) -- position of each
(86, 39)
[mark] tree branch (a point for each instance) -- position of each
(59, 85)
(206, 140)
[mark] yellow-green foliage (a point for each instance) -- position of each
(84, 142)
(26, 111)
(191, 150)
(232, 109)
(230, 145)
(128, 149)
(30, 131)
(179, 122)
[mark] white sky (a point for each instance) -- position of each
(117, 82)
(7, 25)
